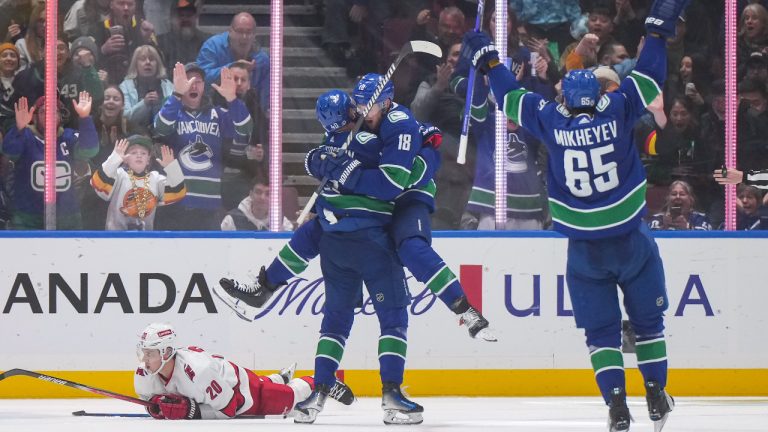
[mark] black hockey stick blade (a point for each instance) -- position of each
(82, 413)
(60, 381)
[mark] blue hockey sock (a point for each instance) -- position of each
(295, 256)
(652, 358)
(330, 350)
(429, 268)
(608, 363)
(452, 292)
(393, 343)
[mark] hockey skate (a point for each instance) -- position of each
(660, 404)
(245, 298)
(306, 411)
(476, 324)
(341, 393)
(398, 410)
(618, 413)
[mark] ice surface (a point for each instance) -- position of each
(444, 414)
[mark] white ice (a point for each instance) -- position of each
(445, 414)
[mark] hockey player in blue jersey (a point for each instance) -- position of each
(413, 199)
(195, 131)
(355, 247)
(597, 199)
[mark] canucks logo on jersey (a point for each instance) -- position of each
(196, 155)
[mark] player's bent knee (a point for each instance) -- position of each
(605, 336)
(393, 321)
(337, 322)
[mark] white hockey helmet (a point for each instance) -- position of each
(158, 336)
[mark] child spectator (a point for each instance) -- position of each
(132, 188)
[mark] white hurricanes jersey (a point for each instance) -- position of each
(219, 386)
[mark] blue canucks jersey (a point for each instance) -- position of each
(196, 138)
(596, 180)
(27, 149)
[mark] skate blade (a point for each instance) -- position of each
(305, 418)
(288, 372)
(394, 417)
(487, 335)
(241, 309)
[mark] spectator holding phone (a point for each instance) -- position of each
(678, 212)
(121, 33)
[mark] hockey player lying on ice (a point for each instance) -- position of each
(189, 383)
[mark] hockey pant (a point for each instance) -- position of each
(347, 260)
(412, 232)
(594, 269)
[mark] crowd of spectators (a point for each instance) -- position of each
(120, 53)
(681, 139)
(123, 52)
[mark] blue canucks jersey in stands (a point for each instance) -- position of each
(196, 139)
(27, 149)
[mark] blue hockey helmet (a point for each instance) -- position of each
(580, 88)
(367, 85)
(332, 109)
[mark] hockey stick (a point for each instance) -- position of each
(461, 158)
(83, 413)
(22, 372)
(407, 49)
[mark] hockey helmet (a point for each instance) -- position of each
(580, 88)
(332, 110)
(367, 85)
(157, 336)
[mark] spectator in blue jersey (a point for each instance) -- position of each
(597, 187)
(252, 214)
(525, 187)
(679, 211)
(146, 86)
(24, 144)
(196, 131)
(239, 43)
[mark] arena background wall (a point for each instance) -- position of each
(73, 306)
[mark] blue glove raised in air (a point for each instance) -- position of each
(478, 47)
(662, 18)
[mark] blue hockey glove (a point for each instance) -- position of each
(662, 18)
(314, 162)
(342, 169)
(478, 47)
